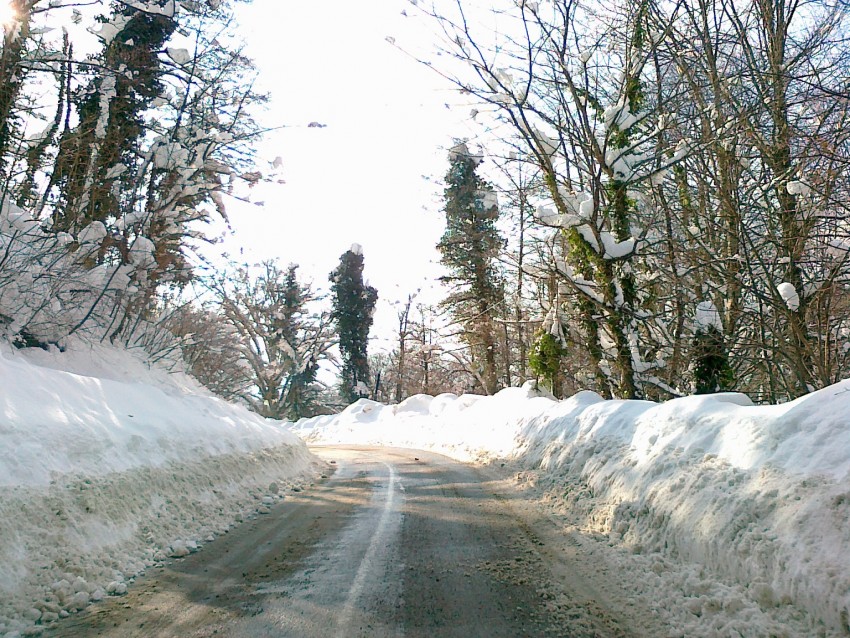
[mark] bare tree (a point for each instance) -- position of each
(694, 155)
(283, 337)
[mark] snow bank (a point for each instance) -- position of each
(695, 489)
(108, 466)
(469, 427)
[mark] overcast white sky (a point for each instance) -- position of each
(369, 176)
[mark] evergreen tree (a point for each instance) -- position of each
(544, 359)
(302, 392)
(711, 367)
(12, 72)
(353, 306)
(712, 372)
(469, 248)
(111, 118)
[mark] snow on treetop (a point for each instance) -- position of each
(548, 216)
(116, 170)
(458, 150)
(357, 249)
(549, 144)
(166, 8)
(92, 233)
(462, 150)
(581, 204)
(108, 30)
(16, 218)
(489, 199)
(129, 220)
(619, 115)
(170, 154)
(142, 252)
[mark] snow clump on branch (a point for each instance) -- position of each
(798, 187)
(789, 295)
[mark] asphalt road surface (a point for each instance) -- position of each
(393, 543)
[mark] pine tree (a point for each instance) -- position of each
(544, 359)
(712, 371)
(353, 306)
(302, 392)
(12, 72)
(469, 248)
(111, 119)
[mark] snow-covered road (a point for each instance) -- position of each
(395, 542)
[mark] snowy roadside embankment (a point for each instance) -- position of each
(108, 466)
(695, 492)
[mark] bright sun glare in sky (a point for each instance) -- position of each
(7, 14)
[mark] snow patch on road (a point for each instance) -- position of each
(374, 563)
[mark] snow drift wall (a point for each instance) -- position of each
(757, 494)
(103, 477)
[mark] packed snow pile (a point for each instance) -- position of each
(459, 426)
(108, 466)
(696, 491)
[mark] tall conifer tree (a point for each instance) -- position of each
(469, 248)
(111, 121)
(353, 306)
